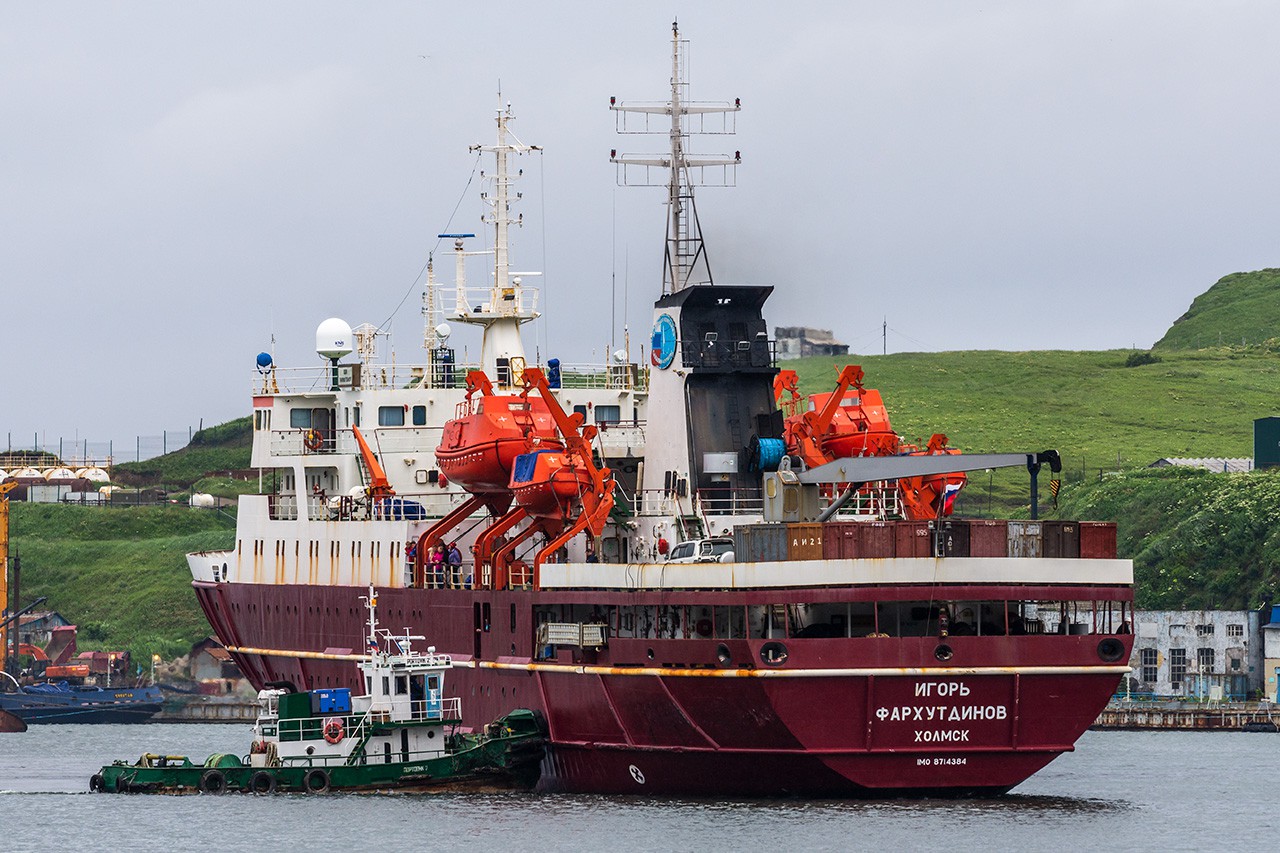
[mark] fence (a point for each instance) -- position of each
(84, 452)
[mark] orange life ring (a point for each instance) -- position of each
(333, 730)
(312, 440)
(703, 627)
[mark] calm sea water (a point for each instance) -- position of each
(1119, 790)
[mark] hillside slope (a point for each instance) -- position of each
(1241, 309)
(225, 447)
(1198, 540)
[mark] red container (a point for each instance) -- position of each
(988, 537)
(912, 539)
(1098, 540)
(877, 540)
(840, 540)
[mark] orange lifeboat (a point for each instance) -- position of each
(479, 447)
(548, 484)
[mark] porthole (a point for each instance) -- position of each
(1111, 650)
(722, 655)
(773, 654)
(943, 652)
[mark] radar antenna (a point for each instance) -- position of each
(685, 260)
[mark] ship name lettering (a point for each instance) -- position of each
(946, 736)
(942, 688)
(942, 713)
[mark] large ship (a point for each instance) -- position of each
(705, 588)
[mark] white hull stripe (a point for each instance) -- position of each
(667, 672)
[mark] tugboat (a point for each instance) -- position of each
(401, 735)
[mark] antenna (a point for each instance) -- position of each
(685, 253)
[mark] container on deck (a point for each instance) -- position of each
(804, 541)
(988, 537)
(912, 539)
(840, 540)
(1026, 539)
(334, 700)
(1098, 540)
(950, 538)
(760, 543)
(1062, 539)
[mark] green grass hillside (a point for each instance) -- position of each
(225, 447)
(120, 574)
(1198, 540)
(1242, 308)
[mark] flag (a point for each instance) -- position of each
(949, 496)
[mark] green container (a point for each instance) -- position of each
(1266, 442)
(295, 705)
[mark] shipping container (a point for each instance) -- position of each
(912, 539)
(950, 538)
(1098, 540)
(760, 543)
(877, 540)
(804, 541)
(1026, 539)
(834, 544)
(988, 537)
(1062, 539)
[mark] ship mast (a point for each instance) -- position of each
(685, 257)
(508, 303)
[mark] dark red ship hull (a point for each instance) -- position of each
(844, 717)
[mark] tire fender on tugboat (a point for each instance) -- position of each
(213, 782)
(316, 781)
(262, 782)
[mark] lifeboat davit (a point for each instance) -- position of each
(478, 450)
(548, 484)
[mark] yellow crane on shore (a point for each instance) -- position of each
(5, 488)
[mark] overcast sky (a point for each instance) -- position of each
(181, 181)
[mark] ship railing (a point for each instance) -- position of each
(339, 442)
(320, 379)
(714, 353)
(624, 376)
(511, 301)
(405, 506)
(729, 501)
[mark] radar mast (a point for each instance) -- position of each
(685, 261)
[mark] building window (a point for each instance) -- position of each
(391, 416)
(1177, 667)
(1204, 660)
(1204, 630)
(1235, 630)
(1150, 662)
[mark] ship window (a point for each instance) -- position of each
(355, 416)
(386, 685)
(391, 416)
(1150, 664)
(419, 415)
(513, 618)
(608, 414)
(402, 685)
(368, 684)
(300, 418)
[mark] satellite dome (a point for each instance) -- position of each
(264, 361)
(333, 339)
(443, 331)
(620, 356)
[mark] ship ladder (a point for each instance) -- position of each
(363, 731)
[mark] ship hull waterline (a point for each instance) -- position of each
(898, 728)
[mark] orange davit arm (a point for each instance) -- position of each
(379, 486)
